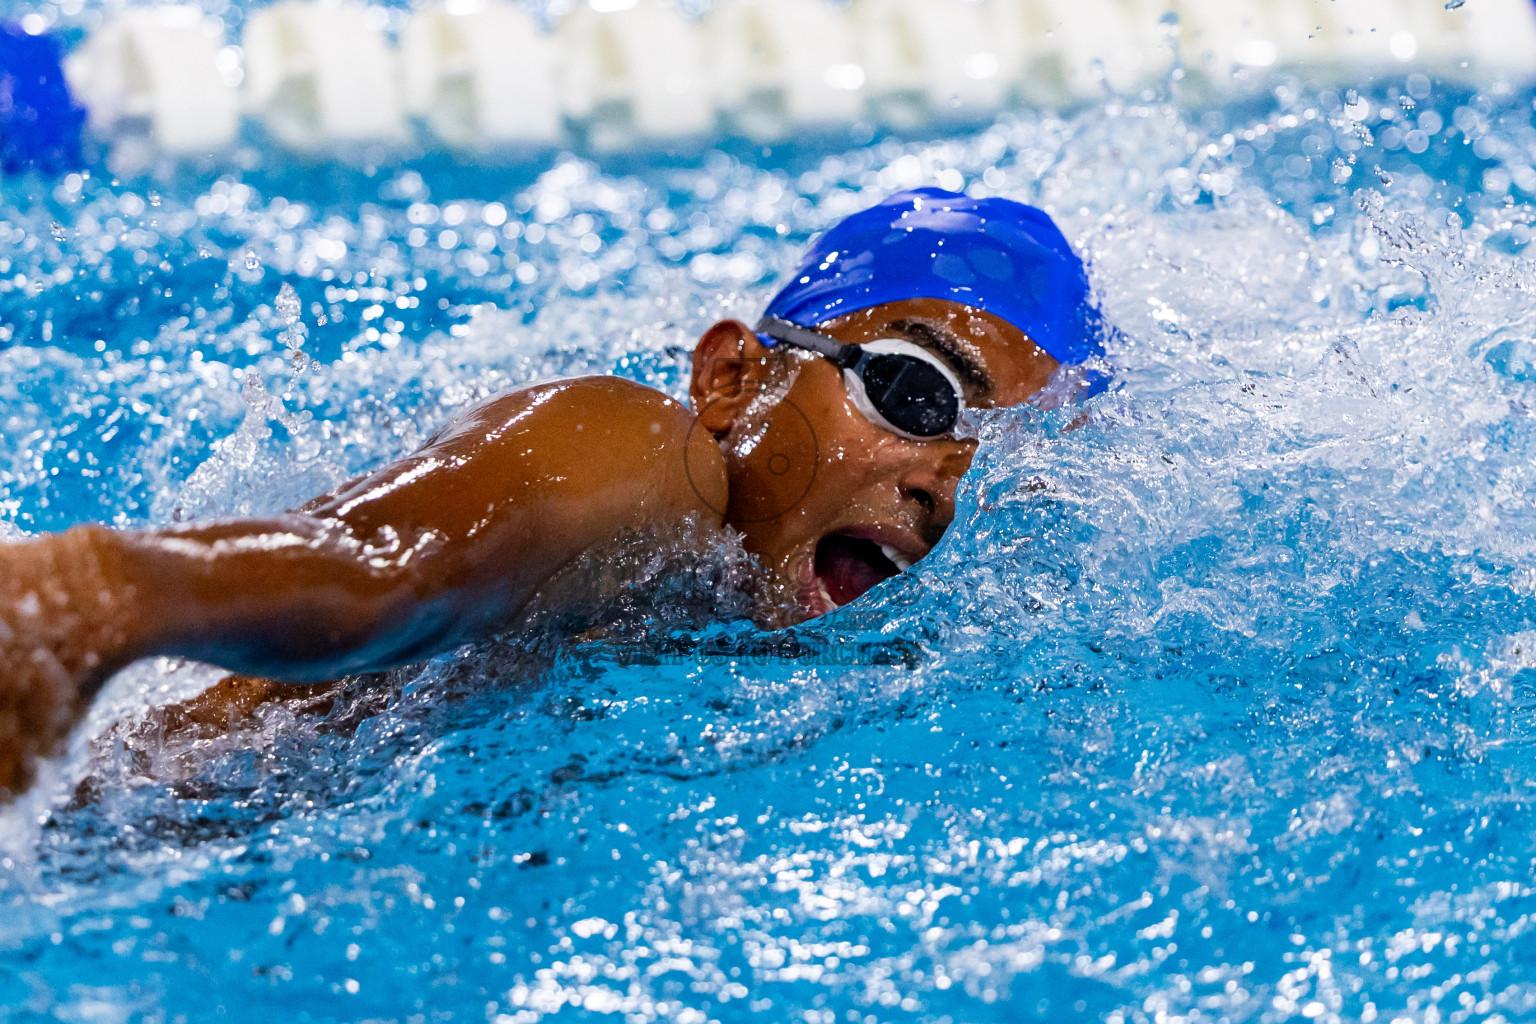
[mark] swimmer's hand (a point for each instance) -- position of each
(436, 550)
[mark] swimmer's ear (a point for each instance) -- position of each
(730, 367)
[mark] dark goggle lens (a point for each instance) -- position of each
(912, 395)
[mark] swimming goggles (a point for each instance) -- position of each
(896, 384)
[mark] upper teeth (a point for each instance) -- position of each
(896, 556)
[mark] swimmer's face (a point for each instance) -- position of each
(831, 502)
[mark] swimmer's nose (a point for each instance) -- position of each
(930, 483)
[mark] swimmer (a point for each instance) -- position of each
(823, 435)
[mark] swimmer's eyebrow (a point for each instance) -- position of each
(962, 357)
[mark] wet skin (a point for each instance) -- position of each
(446, 545)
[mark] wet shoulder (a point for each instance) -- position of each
(609, 411)
(638, 431)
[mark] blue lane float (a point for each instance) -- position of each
(40, 123)
(480, 77)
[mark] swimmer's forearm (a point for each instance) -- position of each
(292, 597)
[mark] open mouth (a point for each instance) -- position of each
(848, 567)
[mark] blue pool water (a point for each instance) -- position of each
(1218, 706)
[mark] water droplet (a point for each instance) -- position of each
(287, 303)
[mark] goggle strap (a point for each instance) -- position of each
(814, 341)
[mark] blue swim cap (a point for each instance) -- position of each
(996, 255)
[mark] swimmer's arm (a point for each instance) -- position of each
(435, 550)
(432, 551)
